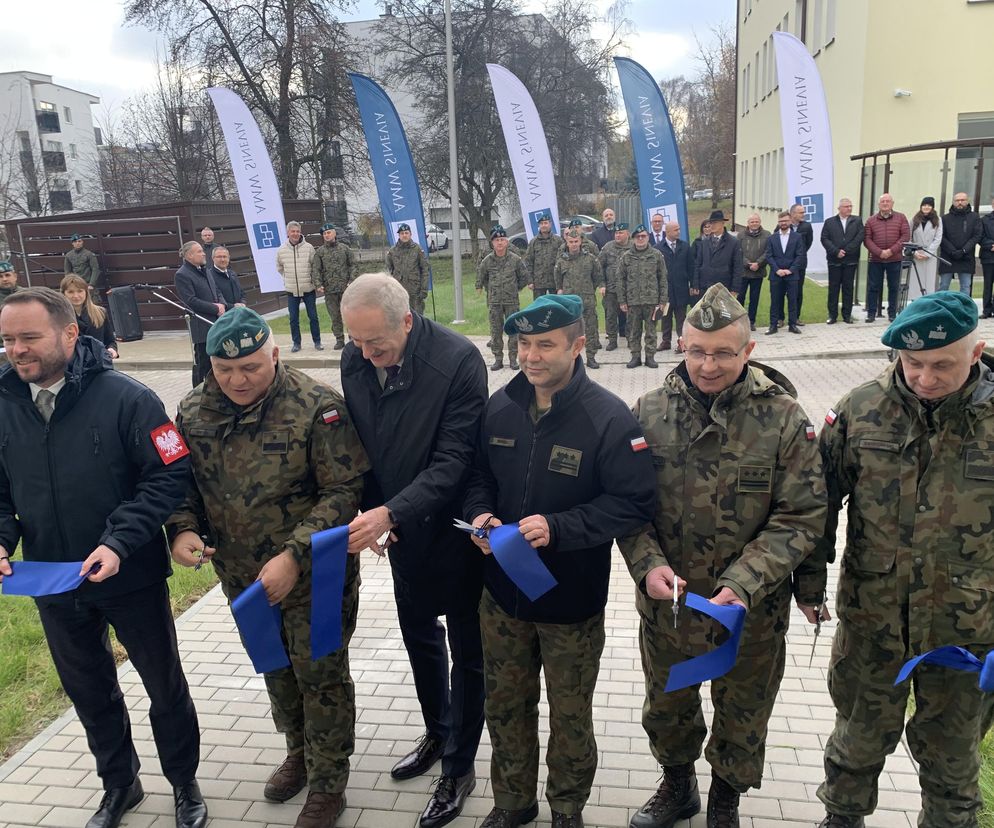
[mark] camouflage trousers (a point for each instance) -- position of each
(944, 733)
(742, 698)
(639, 318)
(514, 654)
(498, 313)
(333, 302)
(313, 702)
(610, 302)
(414, 295)
(590, 325)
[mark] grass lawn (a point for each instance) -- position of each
(987, 781)
(30, 693)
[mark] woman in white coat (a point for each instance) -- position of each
(926, 230)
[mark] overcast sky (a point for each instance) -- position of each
(90, 49)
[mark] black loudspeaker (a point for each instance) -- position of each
(124, 314)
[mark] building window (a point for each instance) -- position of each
(817, 42)
(25, 140)
(745, 89)
(67, 112)
(53, 146)
(98, 136)
(755, 83)
(45, 107)
(830, 22)
(72, 151)
(79, 187)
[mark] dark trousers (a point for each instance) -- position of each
(201, 363)
(802, 278)
(841, 276)
(622, 323)
(310, 303)
(988, 287)
(674, 317)
(783, 288)
(751, 288)
(76, 631)
(451, 704)
(875, 274)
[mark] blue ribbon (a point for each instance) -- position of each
(717, 662)
(520, 561)
(39, 578)
(329, 552)
(261, 628)
(955, 658)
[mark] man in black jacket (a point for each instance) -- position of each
(416, 392)
(719, 257)
(961, 232)
(679, 278)
(842, 238)
(986, 260)
(605, 232)
(566, 460)
(225, 278)
(803, 229)
(197, 290)
(104, 506)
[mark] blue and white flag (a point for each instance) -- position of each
(258, 191)
(527, 148)
(657, 158)
(390, 158)
(807, 138)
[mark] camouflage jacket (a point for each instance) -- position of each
(642, 278)
(502, 277)
(580, 274)
(610, 257)
(740, 500)
(333, 267)
(268, 476)
(540, 259)
(585, 244)
(5, 292)
(918, 568)
(83, 263)
(408, 265)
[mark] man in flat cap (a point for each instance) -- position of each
(719, 257)
(407, 263)
(8, 281)
(644, 293)
(83, 263)
(540, 257)
(609, 257)
(578, 272)
(276, 459)
(332, 270)
(502, 275)
(912, 452)
(740, 505)
(562, 457)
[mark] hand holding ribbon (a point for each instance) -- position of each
(40, 578)
(955, 658)
(719, 661)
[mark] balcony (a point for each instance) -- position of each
(53, 161)
(48, 122)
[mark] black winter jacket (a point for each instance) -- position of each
(680, 267)
(719, 264)
(104, 333)
(92, 475)
(961, 231)
(578, 467)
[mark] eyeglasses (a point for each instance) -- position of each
(720, 357)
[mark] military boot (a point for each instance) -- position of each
(612, 345)
(287, 780)
(321, 810)
(634, 362)
(512, 360)
(592, 363)
(566, 820)
(839, 821)
(498, 364)
(503, 818)
(676, 798)
(650, 361)
(723, 804)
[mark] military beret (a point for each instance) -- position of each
(575, 223)
(543, 217)
(6, 267)
(621, 225)
(932, 321)
(546, 313)
(498, 232)
(326, 227)
(75, 237)
(716, 309)
(639, 228)
(237, 333)
(402, 227)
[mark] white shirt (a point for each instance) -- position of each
(784, 238)
(55, 388)
(844, 222)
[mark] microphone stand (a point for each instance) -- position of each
(188, 314)
(914, 264)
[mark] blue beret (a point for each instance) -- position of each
(237, 333)
(402, 227)
(621, 225)
(498, 232)
(546, 313)
(6, 267)
(932, 321)
(639, 229)
(326, 227)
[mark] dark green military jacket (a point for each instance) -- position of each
(83, 263)
(333, 267)
(642, 277)
(740, 500)
(5, 292)
(754, 250)
(540, 258)
(918, 568)
(609, 258)
(268, 476)
(503, 277)
(580, 274)
(408, 265)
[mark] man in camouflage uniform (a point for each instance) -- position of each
(609, 257)
(585, 243)
(83, 263)
(276, 459)
(8, 281)
(502, 274)
(540, 258)
(741, 504)
(643, 291)
(911, 450)
(407, 264)
(332, 270)
(578, 271)
(558, 455)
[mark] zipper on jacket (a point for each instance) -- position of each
(96, 442)
(524, 497)
(56, 508)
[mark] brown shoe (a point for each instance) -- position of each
(321, 810)
(287, 780)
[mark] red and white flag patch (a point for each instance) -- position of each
(169, 443)
(831, 416)
(809, 431)
(639, 444)
(330, 416)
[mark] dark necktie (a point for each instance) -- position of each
(714, 242)
(392, 371)
(45, 403)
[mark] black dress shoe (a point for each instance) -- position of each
(869, 319)
(830, 322)
(847, 321)
(794, 329)
(772, 330)
(191, 812)
(115, 803)
(428, 751)
(447, 801)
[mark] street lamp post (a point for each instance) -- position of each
(453, 171)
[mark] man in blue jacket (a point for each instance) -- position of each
(566, 459)
(90, 467)
(787, 259)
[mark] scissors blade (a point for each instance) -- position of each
(814, 641)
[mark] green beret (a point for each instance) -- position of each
(575, 223)
(716, 309)
(75, 237)
(498, 232)
(932, 321)
(621, 225)
(237, 333)
(640, 229)
(546, 313)
(326, 227)
(6, 267)
(402, 227)
(544, 217)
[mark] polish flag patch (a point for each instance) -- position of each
(330, 416)
(639, 444)
(831, 416)
(809, 431)
(169, 444)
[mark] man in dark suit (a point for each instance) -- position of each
(787, 259)
(719, 257)
(679, 277)
(804, 229)
(225, 278)
(605, 233)
(197, 290)
(842, 238)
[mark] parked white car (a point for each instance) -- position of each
(437, 239)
